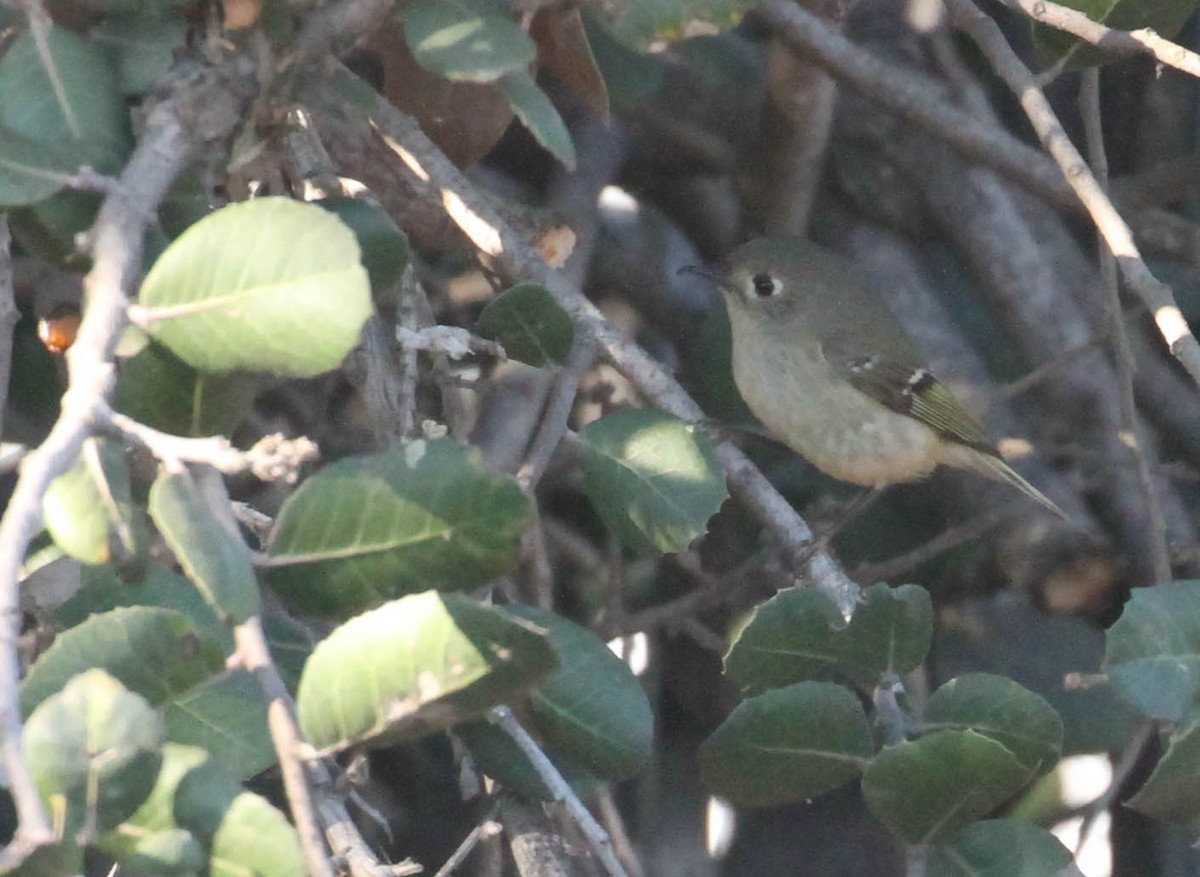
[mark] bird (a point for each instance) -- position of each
(824, 365)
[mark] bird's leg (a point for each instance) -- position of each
(851, 510)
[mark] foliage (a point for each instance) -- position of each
(396, 582)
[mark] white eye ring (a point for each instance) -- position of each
(763, 285)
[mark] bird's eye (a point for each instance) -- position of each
(764, 285)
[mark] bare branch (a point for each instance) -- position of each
(438, 179)
(1144, 41)
(1117, 235)
(202, 106)
(9, 315)
(1089, 106)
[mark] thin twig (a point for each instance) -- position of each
(611, 814)
(281, 721)
(596, 837)
(916, 98)
(952, 537)
(1144, 41)
(514, 257)
(553, 424)
(273, 457)
(117, 250)
(486, 829)
(1116, 233)
(9, 315)
(1089, 107)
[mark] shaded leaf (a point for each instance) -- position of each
(88, 509)
(225, 715)
(159, 389)
(366, 529)
(269, 285)
(140, 47)
(102, 590)
(592, 708)
(155, 653)
(1152, 652)
(888, 636)
(1173, 791)
(385, 249)
(929, 789)
(999, 708)
(786, 745)
(1001, 848)
(66, 101)
(93, 750)
(529, 324)
(653, 479)
(537, 113)
(475, 40)
(497, 755)
(217, 561)
(414, 666)
(793, 637)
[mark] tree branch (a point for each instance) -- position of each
(434, 177)
(202, 106)
(1116, 233)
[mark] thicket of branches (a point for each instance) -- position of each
(391, 500)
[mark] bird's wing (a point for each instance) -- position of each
(910, 389)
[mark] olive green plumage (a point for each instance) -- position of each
(824, 365)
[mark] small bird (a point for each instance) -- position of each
(826, 368)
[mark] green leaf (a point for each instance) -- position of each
(1173, 791)
(216, 561)
(793, 637)
(929, 789)
(160, 390)
(643, 22)
(66, 100)
(367, 529)
(1164, 17)
(786, 745)
(1001, 848)
(88, 509)
(385, 249)
(50, 228)
(1002, 710)
(155, 653)
(1152, 652)
(195, 796)
(270, 285)
(225, 715)
(31, 170)
(415, 666)
(474, 40)
(529, 324)
(888, 635)
(58, 859)
(592, 708)
(497, 755)
(140, 47)
(653, 479)
(101, 590)
(538, 114)
(93, 750)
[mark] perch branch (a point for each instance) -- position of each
(1089, 107)
(9, 315)
(503, 718)
(1077, 23)
(1116, 233)
(497, 240)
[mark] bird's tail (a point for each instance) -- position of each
(997, 468)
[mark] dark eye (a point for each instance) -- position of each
(764, 285)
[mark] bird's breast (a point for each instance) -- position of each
(841, 431)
